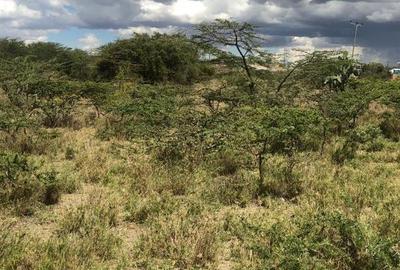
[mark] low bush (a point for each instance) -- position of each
(23, 186)
(182, 240)
(283, 181)
(228, 163)
(324, 240)
(353, 140)
(86, 219)
(239, 189)
(390, 127)
(150, 208)
(69, 153)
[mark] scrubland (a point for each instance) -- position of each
(196, 164)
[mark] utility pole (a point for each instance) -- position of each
(286, 57)
(356, 26)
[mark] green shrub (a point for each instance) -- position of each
(228, 163)
(263, 133)
(52, 188)
(375, 146)
(325, 240)
(23, 186)
(21, 132)
(70, 153)
(70, 181)
(355, 138)
(390, 127)
(282, 180)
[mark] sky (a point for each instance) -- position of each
(303, 24)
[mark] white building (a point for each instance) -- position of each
(395, 73)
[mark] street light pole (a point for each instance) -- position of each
(356, 26)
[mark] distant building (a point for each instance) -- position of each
(395, 73)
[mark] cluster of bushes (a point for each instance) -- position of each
(325, 240)
(157, 58)
(73, 63)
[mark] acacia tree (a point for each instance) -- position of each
(262, 132)
(225, 33)
(155, 58)
(319, 69)
(35, 89)
(11, 48)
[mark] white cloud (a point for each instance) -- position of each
(191, 11)
(385, 15)
(128, 32)
(188, 10)
(11, 9)
(89, 42)
(298, 46)
(7, 7)
(36, 39)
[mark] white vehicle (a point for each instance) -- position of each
(395, 73)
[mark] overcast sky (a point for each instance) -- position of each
(307, 24)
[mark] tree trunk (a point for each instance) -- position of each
(245, 64)
(261, 178)
(261, 174)
(323, 141)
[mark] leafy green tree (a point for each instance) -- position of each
(56, 99)
(98, 94)
(264, 132)
(35, 89)
(390, 125)
(16, 77)
(375, 71)
(344, 109)
(154, 58)
(318, 70)
(352, 141)
(11, 48)
(45, 51)
(74, 63)
(13, 121)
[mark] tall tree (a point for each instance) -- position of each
(226, 33)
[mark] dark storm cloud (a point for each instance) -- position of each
(324, 22)
(380, 35)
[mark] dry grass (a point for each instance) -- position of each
(121, 210)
